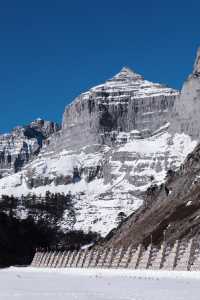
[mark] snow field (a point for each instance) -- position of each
(97, 284)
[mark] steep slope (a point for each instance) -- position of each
(113, 144)
(170, 211)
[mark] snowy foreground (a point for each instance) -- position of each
(97, 284)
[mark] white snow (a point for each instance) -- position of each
(130, 82)
(127, 169)
(97, 284)
(98, 202)
(179, 144)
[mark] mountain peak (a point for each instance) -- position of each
(127, 70)
(127, 73)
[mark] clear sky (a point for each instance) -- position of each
(50, 51)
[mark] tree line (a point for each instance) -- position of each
(50, 206)
(37, 227)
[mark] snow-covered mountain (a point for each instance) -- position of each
(23, 143)
(115, 141)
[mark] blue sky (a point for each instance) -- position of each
(51, 51)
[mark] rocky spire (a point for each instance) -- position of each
(186, 112)
(196, 70)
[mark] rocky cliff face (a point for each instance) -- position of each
(185, 117)
(114, 143)
(124, 103)
(197, 63)
(22, 144)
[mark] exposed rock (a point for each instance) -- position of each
(197, 64)
(124, 103)
(18, 147)
(185, 117)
